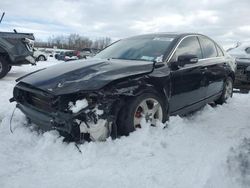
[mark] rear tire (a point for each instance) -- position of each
(227, 91)
(9, 68)
(41, 58)
(4, 67)
(127, 115)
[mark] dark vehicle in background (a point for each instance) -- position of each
(15, 49)
(242, 75)
(150, 76)
(75, 54)
(68, 55)
(242, 54)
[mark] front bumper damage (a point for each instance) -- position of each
(95, 122)
(97, 129)
(47, 121)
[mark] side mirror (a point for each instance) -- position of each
(186, 59)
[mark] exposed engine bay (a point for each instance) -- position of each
(89, 116)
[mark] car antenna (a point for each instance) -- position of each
(2, 17)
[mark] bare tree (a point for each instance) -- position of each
(73, 42)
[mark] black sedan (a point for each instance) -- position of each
(150, 76)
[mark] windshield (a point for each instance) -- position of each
(142, 49)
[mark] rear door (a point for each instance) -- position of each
(187, 82)
(215, 63)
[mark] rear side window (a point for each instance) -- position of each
(190, 46)
(220, 52)
(208, 47)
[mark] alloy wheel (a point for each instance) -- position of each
(150, 109)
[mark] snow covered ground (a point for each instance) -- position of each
(200, 151)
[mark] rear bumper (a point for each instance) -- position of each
(48, 121)
(30, 59)
(23, 60)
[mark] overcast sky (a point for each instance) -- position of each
(227, 21)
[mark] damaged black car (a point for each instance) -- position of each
(146, 77)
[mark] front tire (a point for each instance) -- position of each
(4, 67)
(227, 91)
(148, 105)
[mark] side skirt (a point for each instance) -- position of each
(196, 106)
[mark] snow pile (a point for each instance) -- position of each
(78, 106)
(192, 152)
(239, 163)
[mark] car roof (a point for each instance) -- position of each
(164, 34)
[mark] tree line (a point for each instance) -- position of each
(73, 42)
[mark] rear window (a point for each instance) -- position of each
(219, 50)
(208, 47)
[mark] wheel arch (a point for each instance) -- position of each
(138, 87)
(4, 54)
(232, 75)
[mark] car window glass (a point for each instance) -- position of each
(248, 50)
(208, 47)
(220, 52)
(141, 48)
(189, 46)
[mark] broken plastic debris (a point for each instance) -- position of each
(79, 105)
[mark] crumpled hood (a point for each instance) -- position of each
(92, 74)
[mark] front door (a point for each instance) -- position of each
(188, 84)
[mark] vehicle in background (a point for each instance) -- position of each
(15, 49)
(88, 52)
(240, 51)
(147, 77)
(68, 55)
(242, 75)
(40, 55)
(75, 54)
(54, 54)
